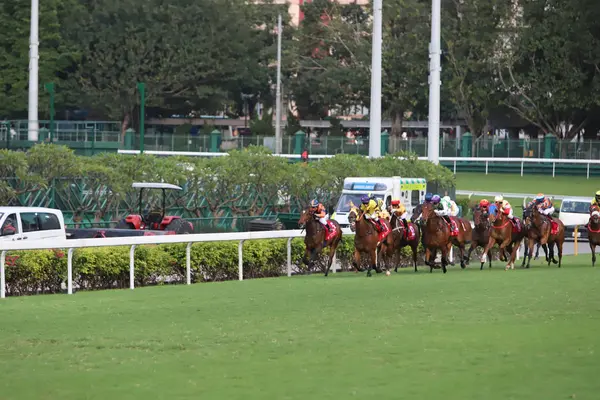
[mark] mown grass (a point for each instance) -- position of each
(507, 183)
(491, 334)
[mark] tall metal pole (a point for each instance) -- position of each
(33, 124)
(142, 90)
(278, 139)
(375, 108)
(50, 89)
(433, 143)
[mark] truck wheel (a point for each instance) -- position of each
(122, 224)
(180, 226)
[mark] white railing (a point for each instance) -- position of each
(454, 160)
(134, 241)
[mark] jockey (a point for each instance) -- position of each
(370, 209)
(450, 205)
(484, 205)
(398, 208)
(544, 205)
(440, 208)
(595, 202)
(428, 198)
(504, 206)
(318, 211)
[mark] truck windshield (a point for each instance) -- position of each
(577, 207)
(343, 204)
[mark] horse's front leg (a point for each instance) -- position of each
(356, 260)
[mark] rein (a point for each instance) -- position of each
(589, 228)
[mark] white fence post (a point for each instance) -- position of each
(454, 167)
(486, 167)
(188, 262)
(2, 276)
(588, 170)
(522, 163)
(240, 261)
(131, 267)
(289, 257)
(553, 168)
(70, 271)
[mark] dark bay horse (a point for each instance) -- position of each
(533, 236)
(366, 240)
(464, 237)
(504, 235)
(315, 239)
(593, 229)
(402, 237)
(543, 224)
(481, 234)
(436, 236)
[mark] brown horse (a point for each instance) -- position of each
(543, 225)
(503, 233)
(481, 234)
(402, 237)
(532, 237)
(366, 240)
(315, 239)
(436, 236)
(465, 236)
(593, 229)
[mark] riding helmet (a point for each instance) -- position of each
(539, 198)
(598, 195)
(435, 199)
(428, 196)
(314, 203)
(365, 199)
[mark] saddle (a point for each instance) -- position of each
(410, 233)
(381, 228)
(516, 223)
(331, 232)
(554, 224)
(453, 226)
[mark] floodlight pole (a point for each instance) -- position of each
(32, 116)
(433, 136)
(375, 108)
(278, 139)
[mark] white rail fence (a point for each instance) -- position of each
(454, 160)
(134, 241)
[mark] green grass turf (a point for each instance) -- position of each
(563, 185)
(491, 334)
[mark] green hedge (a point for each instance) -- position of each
(45, 271)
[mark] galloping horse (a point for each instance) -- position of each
(315, 239)
(533, 236)
(402, 238)
(593, 228)
(464, 236)
(504, 234)
(547, 235)
(366, 240)
(436, 236)
(481, 234)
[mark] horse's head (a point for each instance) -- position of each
(595, 214)
(480, 216)
(427, 212)
(305, 216)
(353, 216)
(416, 212)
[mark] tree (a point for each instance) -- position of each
(14, 54)
(331, 63)
(188, 53)
(473, 33)
(405, 57)
(552, 76)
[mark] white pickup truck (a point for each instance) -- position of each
(31, 223)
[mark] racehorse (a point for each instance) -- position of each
(481, 234)
(504, 234)
(366, 240)
(593, 228)
(402, 238)
(436, 236)
(533, 235)
(315, 239)
(464, 236)
(544, 226)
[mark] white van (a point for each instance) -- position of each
(31, 223)
(575, 211)
(410, 191)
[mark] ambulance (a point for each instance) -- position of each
(410, 191)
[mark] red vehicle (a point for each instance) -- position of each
(155, 219)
